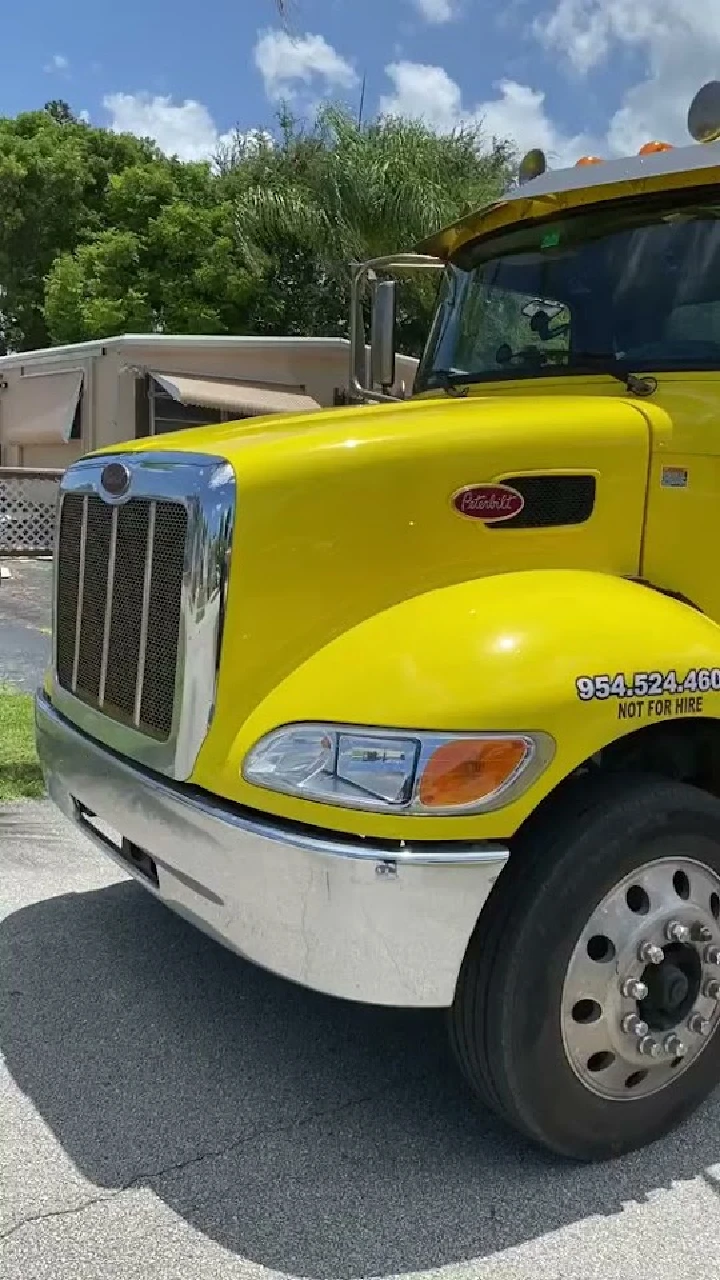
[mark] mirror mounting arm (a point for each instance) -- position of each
(362, 274)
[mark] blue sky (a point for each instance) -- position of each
(568, 75)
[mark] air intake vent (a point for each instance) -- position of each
(550, 501)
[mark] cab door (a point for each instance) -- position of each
(681, 545)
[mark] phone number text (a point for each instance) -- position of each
(646, 684)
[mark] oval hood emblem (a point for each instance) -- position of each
(115, 479)
(488, 502)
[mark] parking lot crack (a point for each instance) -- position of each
(32, 1219)
(148, 1177)
(218, 1153)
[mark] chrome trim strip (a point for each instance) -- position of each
(147, 582)
(107, 621)
(205, 485)
(80, 593)
(403, 853)
(54, 577)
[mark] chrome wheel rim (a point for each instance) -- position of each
(641, 997)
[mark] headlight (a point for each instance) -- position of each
(391, 772)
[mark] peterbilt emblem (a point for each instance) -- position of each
(115, 479)
(490, 503)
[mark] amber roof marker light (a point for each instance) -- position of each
(651, 148)
(703, 120)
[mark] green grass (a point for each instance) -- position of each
(20, 773)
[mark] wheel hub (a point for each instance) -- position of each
(642, 991)
(673, 987)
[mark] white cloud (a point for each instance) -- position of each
(422, 92)
(58, 62)
(678, 40)
(252, 140)
(436, 11)
(284, 61)
(518, 112)
(184, 129)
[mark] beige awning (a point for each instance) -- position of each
(40, 408)
(248, 398)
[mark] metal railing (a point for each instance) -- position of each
(28, 501)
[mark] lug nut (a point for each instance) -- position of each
(649, 1047)
(711, 989)
(634, 1026)
(677, 932)
(701, 933)
(712, 955)
(634, 989)
(698, 1025)
(651, 953)
(673, 1045)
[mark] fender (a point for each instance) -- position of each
(502, 652)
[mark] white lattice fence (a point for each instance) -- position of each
(28, 499)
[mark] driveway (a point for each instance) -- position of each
(168, 1110)
(25, 617)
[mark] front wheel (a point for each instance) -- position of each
(587, 1007)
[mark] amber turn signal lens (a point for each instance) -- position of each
(587, 160)
(649, 148)
(467, 771)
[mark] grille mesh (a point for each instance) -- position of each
(124, 677)
(127, 603)
(97, 550)
(68, 577)
(164, 617)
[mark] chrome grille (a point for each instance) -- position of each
(119, 594)
(140, 602)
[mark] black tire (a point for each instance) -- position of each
(505, 1021)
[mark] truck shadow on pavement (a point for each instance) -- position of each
(314, 1137)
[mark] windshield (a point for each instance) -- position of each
(636, 287)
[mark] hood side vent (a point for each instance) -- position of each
(550, 501)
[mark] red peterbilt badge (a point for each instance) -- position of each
(488, 502)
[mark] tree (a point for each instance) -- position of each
(342, 191)
(54, 178)
(102, 233)
(60, 112)
(167, 262)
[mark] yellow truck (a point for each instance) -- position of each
(416, 701)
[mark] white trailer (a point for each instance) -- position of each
(59, 403)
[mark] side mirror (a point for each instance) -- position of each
(382, 335)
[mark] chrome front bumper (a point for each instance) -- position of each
(378, 924)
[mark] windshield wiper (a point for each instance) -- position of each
(456, 384)
(638, 384)
(451, 382)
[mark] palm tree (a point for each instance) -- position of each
(340, 191)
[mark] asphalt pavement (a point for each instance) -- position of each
(168, 1110)
(25, 617)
